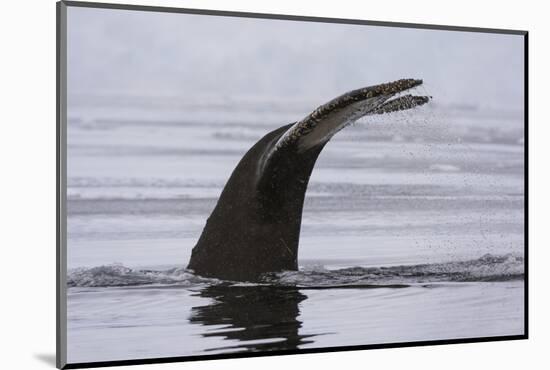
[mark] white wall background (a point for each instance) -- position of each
(27, 160)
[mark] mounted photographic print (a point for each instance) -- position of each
(237, 184)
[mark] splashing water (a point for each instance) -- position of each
(487, 268)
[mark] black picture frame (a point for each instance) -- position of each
(61, 195)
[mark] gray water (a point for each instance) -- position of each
(412, 229)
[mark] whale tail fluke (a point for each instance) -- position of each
(255, 226)
(325, 121)
(401, 103)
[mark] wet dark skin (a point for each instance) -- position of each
(255, 226)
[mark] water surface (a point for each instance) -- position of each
(412, 229)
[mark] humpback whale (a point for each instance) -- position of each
(255, 225)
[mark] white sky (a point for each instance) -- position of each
(150, 53)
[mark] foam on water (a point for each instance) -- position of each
(487, 268)
(117, 275)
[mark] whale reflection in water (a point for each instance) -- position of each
(258, 318)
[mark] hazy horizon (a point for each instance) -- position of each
(114, 51)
